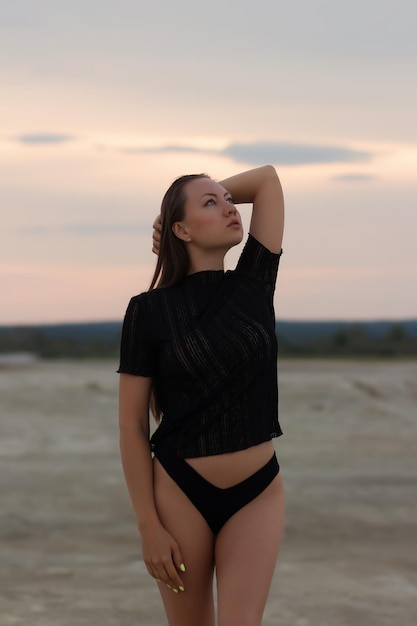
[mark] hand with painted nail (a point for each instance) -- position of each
(162, 557)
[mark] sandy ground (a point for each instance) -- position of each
(70, 554)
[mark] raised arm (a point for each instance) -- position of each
(262, 188)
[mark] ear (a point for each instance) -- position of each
(181, 231)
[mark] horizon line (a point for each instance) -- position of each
(324, 320)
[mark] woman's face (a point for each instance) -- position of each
(211, 219)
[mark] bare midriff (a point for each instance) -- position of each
(225, 470)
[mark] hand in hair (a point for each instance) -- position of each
(156, 234)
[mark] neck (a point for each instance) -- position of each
(201, 261)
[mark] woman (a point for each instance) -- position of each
(200, 348)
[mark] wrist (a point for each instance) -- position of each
(150, 522)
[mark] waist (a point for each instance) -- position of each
(231, 468)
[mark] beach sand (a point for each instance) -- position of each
(70, 552)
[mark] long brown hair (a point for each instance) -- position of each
(173, 260)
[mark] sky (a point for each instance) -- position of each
(104, 103)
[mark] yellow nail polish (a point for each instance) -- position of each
(182, 567)
(181, 588)
(175, 590)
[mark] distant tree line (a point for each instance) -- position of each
(102, 341)
(355, 341)
(56, 345)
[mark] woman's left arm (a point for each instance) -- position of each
(262, 188)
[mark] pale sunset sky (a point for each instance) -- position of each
(103, 104)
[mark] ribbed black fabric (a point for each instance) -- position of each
(209, 343)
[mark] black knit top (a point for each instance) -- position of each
(209, 343)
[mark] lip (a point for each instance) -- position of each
(234, 223)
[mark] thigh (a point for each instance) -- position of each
(196, 542)
(246, 551)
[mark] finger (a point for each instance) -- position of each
(159, 573)
(156, 239)
(152, 572)
(175, 580)
(157, 224)
(164, 578)
(168, 575)
(177, 558)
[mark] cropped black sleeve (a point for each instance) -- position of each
(258, 262)
(138, 353)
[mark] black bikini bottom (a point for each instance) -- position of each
(215, 504)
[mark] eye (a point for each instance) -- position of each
(230, 199)
(210, 202)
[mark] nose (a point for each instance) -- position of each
(229, 208)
